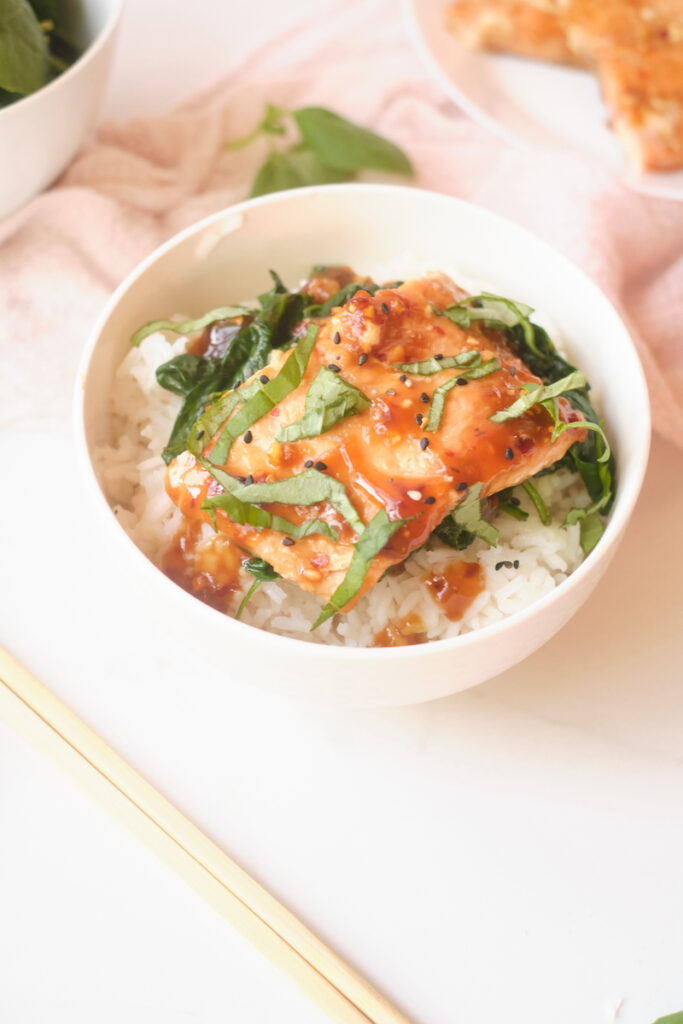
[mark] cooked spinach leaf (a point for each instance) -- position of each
(330, 399)
(24, 64)
(270, 327)
(538, 503)
(266, 397)
(466, 522)
(374, 537)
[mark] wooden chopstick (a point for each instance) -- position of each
(47, 723)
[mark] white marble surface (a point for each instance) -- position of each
(513, 853)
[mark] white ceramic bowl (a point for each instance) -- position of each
(225, 258)
(42, 131)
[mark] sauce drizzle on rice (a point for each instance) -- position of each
(455, 586)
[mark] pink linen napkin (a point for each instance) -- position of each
(140, 182)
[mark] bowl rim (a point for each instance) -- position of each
(98, 43)
(619, 517)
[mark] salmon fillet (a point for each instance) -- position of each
(634, 46)
(383, 455)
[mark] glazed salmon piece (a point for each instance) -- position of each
(383, 455)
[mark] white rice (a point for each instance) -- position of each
(133, 474)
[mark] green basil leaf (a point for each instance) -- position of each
(307, 488)
(493, 310)
(23, 49)
(374, 537)
(538, 503)
(536, 393)
(293, 168)
(270, 124)
(346, 146)
(429, 366)
(592, 529)
(260, 570)
(439, 397)
(673, 1018)
(267, 397)
(188, 326)
(330, 399)
(341, 297)
(247, 514)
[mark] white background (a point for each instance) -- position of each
(512, 854)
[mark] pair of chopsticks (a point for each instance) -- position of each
(42, 719)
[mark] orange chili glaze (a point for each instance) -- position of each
(456, 586)
(207, 569)
(405, 632)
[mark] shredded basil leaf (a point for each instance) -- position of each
(538, 503)
(374, 537)
(537, 393)
(439, 397)
(330, 399)
(252, 515)
(471, 357)
(592, 529)
(188, 326)
(493, 311)
(267, 397)
(307, 488)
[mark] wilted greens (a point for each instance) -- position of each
(37, 43)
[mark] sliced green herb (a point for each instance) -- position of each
(307, 488)
(188, 326)
(267, 397)
(508, 509)
(535, 394)
(538, 503)
(263, 572)
(243, 513)
(439, 397)
(330, 399)
(472, 357)
(493, 311)
(374, 537)
(673, 1018)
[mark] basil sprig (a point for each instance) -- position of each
(439, 397)
(263, 572)
(307, 488)
(330, 399)
(330, 149)
(266, 397)
(374, 537)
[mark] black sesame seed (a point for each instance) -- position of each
(439, 355)
(514, 501)
(419, 418)
(461, 381)
(242, 479)
(264, 378)
(308, 463)
(515, 564)
(499, 565)
(513, 371)
(337, 337)
(321, 466)
(403, 378)
(506, 564)
(248, 437)
(288, 541)
(385, 308)
(333, 367)
(424, 443)
(509, 454)
(249, 480)
(200, 435)
(462, 486)
(390, 391)
(424, 397)
(430, 500)
(362, 358)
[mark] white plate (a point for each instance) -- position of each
(529, 103)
